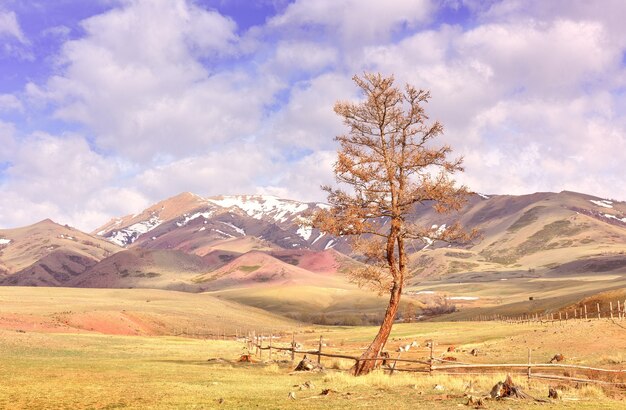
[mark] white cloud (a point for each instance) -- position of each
(354, 21)
(52, 177)
(10, 27)
(302, 179)
(9, 102)
(530, 92)
(307, 120)
(69, 162)
(232, 170)
(136, 79)
(7, 141)
(298, 57)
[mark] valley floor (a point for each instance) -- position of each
(42, 370)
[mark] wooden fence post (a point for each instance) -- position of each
(293, 347)
(430, 365)
(261, 348)
(271, 336)
(611, 309)
(393, 368)
(585, 312)
(529, 363)
(598, 308)
(319, 351)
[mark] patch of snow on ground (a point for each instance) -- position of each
(223, 233)
(441, 230)
(482, 195)
(318, 238)
(129, 235)
(602, 203)
(236, 228)
(305, 232)
(5, 241)
(330, 244)
(609, 216)
(205, 215)
(202, 229)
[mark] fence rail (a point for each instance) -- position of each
(428, 366)
(597, 310)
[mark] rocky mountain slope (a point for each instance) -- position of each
(48, 254)
(188, 242)
(198, 225)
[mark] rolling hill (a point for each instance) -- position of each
(48, 254)
(249, 248)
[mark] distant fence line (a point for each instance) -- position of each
(598, 311)
(255, 345)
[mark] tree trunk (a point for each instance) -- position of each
(365, 366)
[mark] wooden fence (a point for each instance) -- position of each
(431, 365)
(611, 311)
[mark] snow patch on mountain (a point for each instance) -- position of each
(609, 216)
(603, 203)
(189, 218)
(4, 241)
(262, 206)
(126, 236)
(305, 232)
(236, 228)
(223, 233)
(330, 244)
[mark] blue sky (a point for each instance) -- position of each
(107, 106)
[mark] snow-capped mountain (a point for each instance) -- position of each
(190, 221)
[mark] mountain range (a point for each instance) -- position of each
(224, 243)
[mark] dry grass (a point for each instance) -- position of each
(341, 364)
(58, 371)
(614, 359)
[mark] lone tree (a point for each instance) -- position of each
(388, 160)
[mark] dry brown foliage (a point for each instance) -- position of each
(390, 163)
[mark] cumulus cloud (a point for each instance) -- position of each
(55, 177)
(7, 141)
(354, 21)
(9, 102)
(137, 79)
(307, 120)
(10, 27)
(173, 97)
(235, 170)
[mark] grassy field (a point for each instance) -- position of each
(129, 312)
(509, 293)
(70, 371)
(69, 367)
